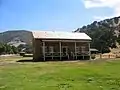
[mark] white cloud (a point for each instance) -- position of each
(113, 4)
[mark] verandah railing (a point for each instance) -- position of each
(68, 55)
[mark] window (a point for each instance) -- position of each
(64, 50)
(49, 49)
(83, 49)
(77, 49)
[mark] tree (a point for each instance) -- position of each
(2, 48)
(7, 49)
(21, 47)
(14, 49)
(26, 48)
(102, 34)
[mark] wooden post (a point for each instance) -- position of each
(75, 51)
(44, 51)
(83, 57)
(60, 50)
(89, 51)
(109, 56)
(52, 55)
(100, 56)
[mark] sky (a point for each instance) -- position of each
(54, 15)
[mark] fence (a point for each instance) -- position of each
(107, 56)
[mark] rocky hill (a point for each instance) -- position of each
(105, 34)
(20, 36)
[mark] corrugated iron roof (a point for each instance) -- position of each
(93, 49)
(59, 35)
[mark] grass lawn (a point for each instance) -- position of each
(79, 75)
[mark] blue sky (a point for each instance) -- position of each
(55, 15)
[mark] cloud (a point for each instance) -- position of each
(113, 4)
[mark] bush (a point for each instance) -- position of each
(93, 56)
(22, 53)
(7, 49)
(117, 56)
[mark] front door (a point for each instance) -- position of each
(64, 49)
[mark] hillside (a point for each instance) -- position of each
(10, 36)
(105, 34)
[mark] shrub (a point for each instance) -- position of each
(93, 56)
(22, 53)
(117, 56)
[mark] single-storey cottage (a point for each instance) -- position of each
(51, 45)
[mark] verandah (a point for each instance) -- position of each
(64, 50)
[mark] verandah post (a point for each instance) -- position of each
(75, 51)
(89, 51)
(44, 51)
(60, 49)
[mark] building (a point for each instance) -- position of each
(94, 51)
(49, 45)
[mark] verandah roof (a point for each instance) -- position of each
(60, 35)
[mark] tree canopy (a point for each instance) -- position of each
(103, 34)
(7, 49)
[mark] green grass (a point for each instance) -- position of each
(87, 75)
